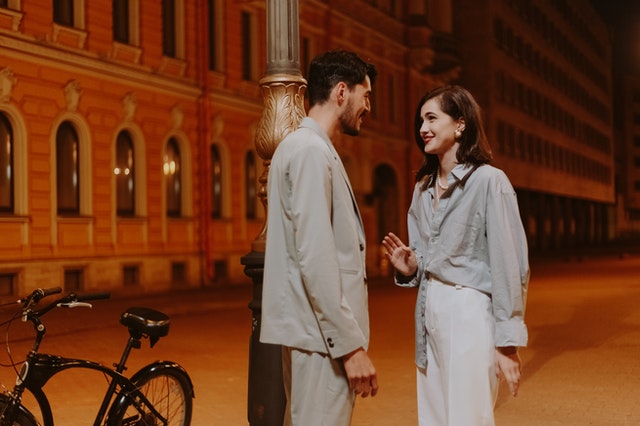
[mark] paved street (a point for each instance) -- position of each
(582, 366)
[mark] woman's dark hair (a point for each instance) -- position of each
(329, 68)
(456, 102)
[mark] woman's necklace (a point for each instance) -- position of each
(444, 188)
(438, 188)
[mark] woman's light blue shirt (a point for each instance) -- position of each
(474, 238)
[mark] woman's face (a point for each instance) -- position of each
(437, 130)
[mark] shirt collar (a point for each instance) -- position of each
(461, 170)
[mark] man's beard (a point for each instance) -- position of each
(347, 119)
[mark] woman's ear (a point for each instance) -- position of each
(461, 124)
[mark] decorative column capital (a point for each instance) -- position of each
(283, 96)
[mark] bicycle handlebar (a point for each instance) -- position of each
(70, 300)
(74, 300)
(38, 294)
(49, 291)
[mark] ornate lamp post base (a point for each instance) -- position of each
(266, 400)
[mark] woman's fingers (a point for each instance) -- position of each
(392, 242)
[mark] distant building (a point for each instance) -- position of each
(623, 17)
(542, 72)
(628, 167)
(128, 127)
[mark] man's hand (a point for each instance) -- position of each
(509, 367)
(361, 373)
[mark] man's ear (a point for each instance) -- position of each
(340, 90)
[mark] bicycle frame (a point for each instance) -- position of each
(39, 368)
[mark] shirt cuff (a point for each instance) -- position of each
(511, 333)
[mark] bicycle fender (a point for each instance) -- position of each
(160, 365)
(121, 402)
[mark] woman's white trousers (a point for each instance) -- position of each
(459, 386)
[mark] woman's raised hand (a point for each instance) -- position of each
(401, 257)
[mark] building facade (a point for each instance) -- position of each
(129, 128)
(628, 156)
(542, 71)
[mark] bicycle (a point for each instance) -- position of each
(160, 393)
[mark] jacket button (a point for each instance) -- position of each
(361, 247)
(330, 342)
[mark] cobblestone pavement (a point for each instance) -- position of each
(582, 366)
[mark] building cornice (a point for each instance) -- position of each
(92, 64)
(233, 101)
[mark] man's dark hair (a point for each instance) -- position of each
(329, 68)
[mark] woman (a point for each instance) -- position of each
(468, 254)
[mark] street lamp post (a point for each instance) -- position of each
(283, 93)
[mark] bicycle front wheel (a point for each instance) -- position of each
(22, 417)
(168, 391)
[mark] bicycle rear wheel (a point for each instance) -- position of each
(22, 417)
(169, 392)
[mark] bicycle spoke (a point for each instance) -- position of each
(167, 397)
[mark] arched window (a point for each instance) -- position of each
(6, 166)
(125, 175)
(172, 178)
(68, 170)
(216, 183)
(250, 184)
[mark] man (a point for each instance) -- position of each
(314, 299)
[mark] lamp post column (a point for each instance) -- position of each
(283, 92)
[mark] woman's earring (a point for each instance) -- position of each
(457, 134)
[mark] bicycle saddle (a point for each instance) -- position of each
(146, 321)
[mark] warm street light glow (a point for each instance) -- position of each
(169, 168)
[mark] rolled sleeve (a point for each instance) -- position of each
(509, 265)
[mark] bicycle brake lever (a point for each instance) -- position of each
(75, 305)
